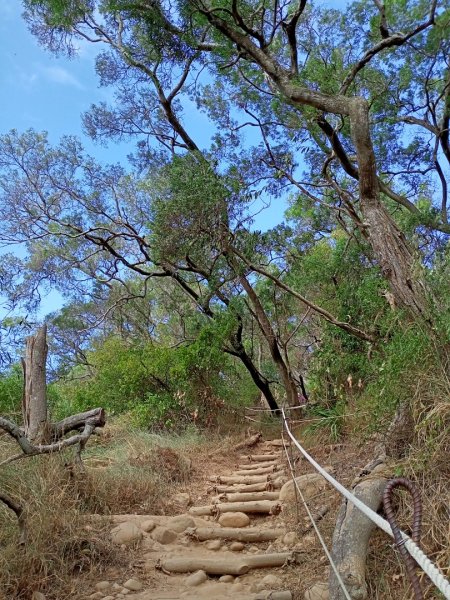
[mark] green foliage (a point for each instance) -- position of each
(158, 386)
(330, 418)
(11, 389)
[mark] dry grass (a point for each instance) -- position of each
(125, 472)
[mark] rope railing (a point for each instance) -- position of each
(435, 575)
(314, 524)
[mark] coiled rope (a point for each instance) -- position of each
(415, 533)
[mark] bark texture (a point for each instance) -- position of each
(34, 402)
(351, 538)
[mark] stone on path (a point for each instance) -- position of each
(237, 546)
(126, 533)
(319, 591)
(309, 484)
(148, 525)
(134, 585)
(269, 582)
(214, 545)
(234, 519)
(164, 535)
(180, 523)
(290, 539)
(196, 578)
(38, 596)
(183, 499)
(102, 586)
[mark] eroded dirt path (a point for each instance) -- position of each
(231, 540)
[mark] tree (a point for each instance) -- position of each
(38, 435)
(286, 70)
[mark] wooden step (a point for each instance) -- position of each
(263, 506)
(238, 534)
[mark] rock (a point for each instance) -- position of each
(309, 484)
(125, 591)
(234, 519)
(180, 523)
(96, 596)
(102, 586)
(226, 579)
(183, 500)
(116, 586)
(148, 525)
(271, 582)
(133, 584)
(214, 545)
(126, 533)
(164, 535)
(108, 597)
(238, 587)
(319, 591)
(38, 596)
(290, 539)
(196, 579)
(237, 546)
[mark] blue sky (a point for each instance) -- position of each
(43, 92)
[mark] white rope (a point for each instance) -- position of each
(314, 524)
(439, 580)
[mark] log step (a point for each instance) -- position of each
(261, 465)
(242, 479)
(256, 471)
(264, 595)
(223, 564)
(274, 484)
(244, 534)
(263, 506)
(260, 457)
(248, 496)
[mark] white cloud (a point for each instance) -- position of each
(62, 76)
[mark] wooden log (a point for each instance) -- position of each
(262, 465)
(264, 595)
(275, 443)
(260, 457)
(274, 484)
(96, 416)
(263, 561)
(248, 496)
(262, 471)
(251, 534)
(251, 441)
(222, 565)
(242, 479)
(263, 506)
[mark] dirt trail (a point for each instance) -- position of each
(234, 543)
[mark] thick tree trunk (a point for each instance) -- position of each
(34, 402)
(396, 258)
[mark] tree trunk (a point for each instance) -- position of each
(396, 258)
(269, 334)
(34, 402)
(261, 382)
